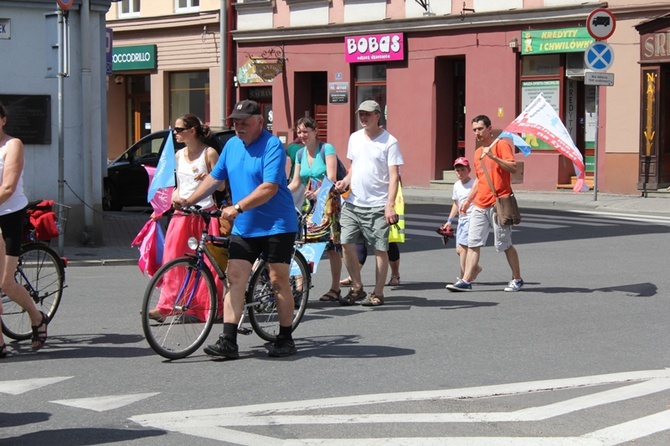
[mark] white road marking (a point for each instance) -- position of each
(631, 217)
(215, 423)
(103, 403)
(20, 386)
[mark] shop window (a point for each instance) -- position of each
(129, 8)
(189, 93)
(186, 5)
(370, 83)
(543, 65)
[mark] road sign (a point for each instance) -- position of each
(599, 56)
(601, 24)
(605, 79)
(65, 4)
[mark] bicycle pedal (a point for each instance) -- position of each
(245, 331)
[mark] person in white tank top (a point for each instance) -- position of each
(12, 214)
(193, 163)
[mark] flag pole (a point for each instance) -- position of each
(595, 150)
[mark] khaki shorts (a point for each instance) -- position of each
(360, 224)
(481, 223)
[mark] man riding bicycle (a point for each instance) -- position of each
(254, 162)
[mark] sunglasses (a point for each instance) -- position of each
(181, 129)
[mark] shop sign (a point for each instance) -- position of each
(564, 40)
(268, 70)
(655, 47)
(374, 48)
(139, 57)
(5, 30)
(338, 92)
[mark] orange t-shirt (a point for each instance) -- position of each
(500, 178)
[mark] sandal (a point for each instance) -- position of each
(156, 315)
(373, 300)
(3, 350)
(394, 281)
(331, 296)
(40, 336)
(352, 296)
(346, 282)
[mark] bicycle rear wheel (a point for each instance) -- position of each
(41, 272)
(185, 296)
(261, 300)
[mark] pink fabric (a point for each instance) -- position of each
(147, 239)
(180, 229)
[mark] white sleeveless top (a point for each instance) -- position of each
(18, 199)
(186, 172)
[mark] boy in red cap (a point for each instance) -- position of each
(462, 189)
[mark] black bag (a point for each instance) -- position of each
(507, 210)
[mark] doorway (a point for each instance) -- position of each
(138, 97)
(449, 112)
(311, 99)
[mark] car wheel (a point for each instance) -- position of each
(110, 198)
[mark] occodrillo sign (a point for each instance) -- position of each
(139, 57)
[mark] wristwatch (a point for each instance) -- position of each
(238, 208)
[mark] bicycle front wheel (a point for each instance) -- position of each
(261, 299)
(40, 271)
(179, 308)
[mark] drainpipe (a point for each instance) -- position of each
(223, 42)
(87, 108)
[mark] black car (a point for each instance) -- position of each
(127, 181)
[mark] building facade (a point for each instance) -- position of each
(30, 72)
(433, 66)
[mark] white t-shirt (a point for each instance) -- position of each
(186, 172)
(460, 193)
(18, 200)
(370, 161)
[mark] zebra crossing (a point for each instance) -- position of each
(239, 425)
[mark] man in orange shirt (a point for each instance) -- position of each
(497, 157)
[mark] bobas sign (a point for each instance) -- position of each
(375, 48)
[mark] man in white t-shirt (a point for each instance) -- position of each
(462, 189)
(368, 209)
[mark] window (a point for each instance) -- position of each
(189, 93)
(129, 8)
(371, 84)
(186, 5)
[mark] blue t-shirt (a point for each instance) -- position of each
(318, 168)
(246, 168)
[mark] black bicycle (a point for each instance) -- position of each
(41, 271)
(182, 330)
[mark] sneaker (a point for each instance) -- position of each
(224, 347)
(282, 347)
(514, 285)
(461, 285)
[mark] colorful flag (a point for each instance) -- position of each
(164, 175)
(162, 199)
(540, 119)
(517, 141)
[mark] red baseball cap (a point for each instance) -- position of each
(463, 161)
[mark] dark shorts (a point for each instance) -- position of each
(12, 231)
(276, 248)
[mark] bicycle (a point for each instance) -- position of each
(185, 327)
(41, 271)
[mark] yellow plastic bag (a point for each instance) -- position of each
(397, 231)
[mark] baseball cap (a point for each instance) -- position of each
(245, 109)
(462, 161)
(369, 106)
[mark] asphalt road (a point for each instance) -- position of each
(579, 357)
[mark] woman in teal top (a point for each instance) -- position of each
(315, 161)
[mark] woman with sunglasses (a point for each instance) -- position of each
(193, 163)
